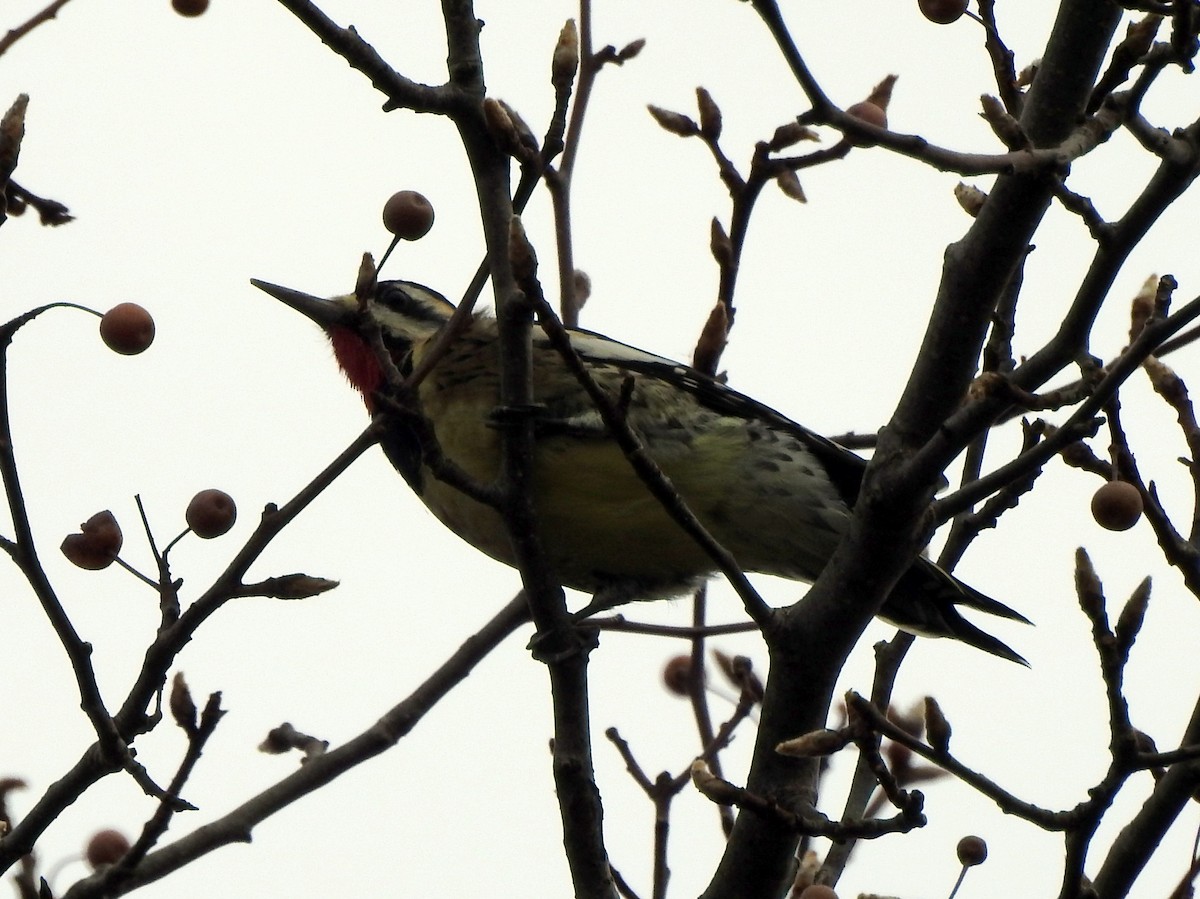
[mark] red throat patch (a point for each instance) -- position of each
(358, 362)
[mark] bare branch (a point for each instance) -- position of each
(15, 34)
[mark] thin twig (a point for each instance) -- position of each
(15, 34)
(345, 42)
(878, 721)
(398, 722)
(1119, 372)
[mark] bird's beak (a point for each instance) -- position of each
(326, 313)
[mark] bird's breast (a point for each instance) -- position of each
(757, 489)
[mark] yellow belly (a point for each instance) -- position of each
(598, 522)
(755, 487)
(600, 525)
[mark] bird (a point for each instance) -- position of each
(775, 494)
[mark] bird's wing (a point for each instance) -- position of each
(844, 468)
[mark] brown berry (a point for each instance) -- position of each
(97, 545)
(677, 675)
(942, 12)
(75, 547)
(408, 215)
(818, 891)
(104, 532)
(106, 847)
(869, 113)
(189, 8)
(211, 513)
(972, 851)
(127, 329)
(1117, 506)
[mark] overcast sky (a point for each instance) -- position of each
(198, 153)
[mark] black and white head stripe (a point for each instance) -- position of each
(412, 301)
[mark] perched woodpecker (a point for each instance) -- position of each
(773, 493)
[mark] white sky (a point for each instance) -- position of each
(200, 153)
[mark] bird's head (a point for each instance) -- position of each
(406, 313)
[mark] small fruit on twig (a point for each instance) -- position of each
(1117, 506)
(189, 8)
(868, 112)
(677, 675)
(971, 851)
(211, 513)
(818, 891)
(408, 215)
(106, 847)
(942, 12)
(127, 329)
(97, 544)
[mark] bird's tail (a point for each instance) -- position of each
(924, 602)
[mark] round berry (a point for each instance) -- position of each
(942, 12)
(677, 675)
(818, 891)
(971, 851)
(870, 113)
(211, 513)
(408, 215)
(106, 847)
(189, 8)
(103, 532)
(127, 329)
(81, 554)
(1117, 506)
(97, 544)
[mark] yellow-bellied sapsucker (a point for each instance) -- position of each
(773, 493)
